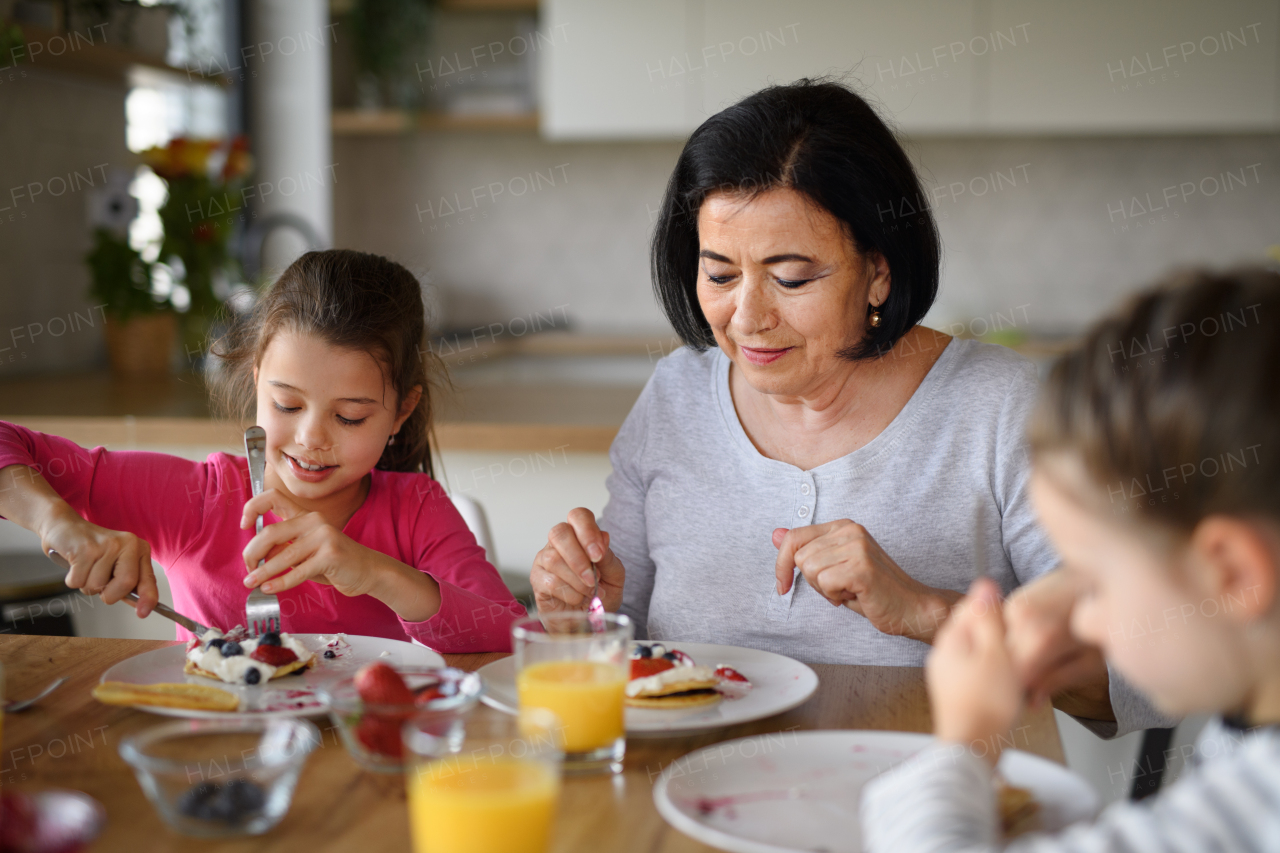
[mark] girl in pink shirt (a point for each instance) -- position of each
(358, 536)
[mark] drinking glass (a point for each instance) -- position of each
(576, 665)
(497, 794)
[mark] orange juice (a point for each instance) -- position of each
(587, 696)
(506, 806)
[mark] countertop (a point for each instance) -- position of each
(564, 390)
(508, 395)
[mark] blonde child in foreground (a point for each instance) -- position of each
(1193, 551)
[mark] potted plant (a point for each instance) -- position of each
(205, 179)
(140, 326)
(385, 35)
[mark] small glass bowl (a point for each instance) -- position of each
(221, 778)
(372, 732)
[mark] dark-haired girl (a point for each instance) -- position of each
(358, 536)
(811, 444)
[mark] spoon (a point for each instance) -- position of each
(595, 610)
(19, 707)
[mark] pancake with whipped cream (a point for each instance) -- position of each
(669, 679)
(236, 658)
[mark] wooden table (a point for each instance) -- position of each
(70, 740)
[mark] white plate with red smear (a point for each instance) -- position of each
(778, 683)
(791, 792)
(289, 696)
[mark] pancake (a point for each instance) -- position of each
(684, 699)
(191, 668)
(194, 697)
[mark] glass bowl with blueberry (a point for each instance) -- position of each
(371, 709)
(221, 778)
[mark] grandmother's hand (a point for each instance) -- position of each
(562, 577)
(846, 566)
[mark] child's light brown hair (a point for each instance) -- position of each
(1173, 403)
(352, 300)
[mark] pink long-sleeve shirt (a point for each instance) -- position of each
(189, 512)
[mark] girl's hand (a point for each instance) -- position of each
(1049, 658)
(562, 578)
(846, 566)
(109, 563)
(305, 546)
(973, 686)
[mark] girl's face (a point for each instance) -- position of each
(783, 288)
(1143, 601)
(325, 408)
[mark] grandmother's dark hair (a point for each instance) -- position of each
(822, 140)
(1173, 404)
(351, 300)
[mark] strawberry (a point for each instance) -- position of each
(645, 667)
(728, 673)
(273, 655)
(379, 684)
(679, 657)
(380, 735)
(18, 820)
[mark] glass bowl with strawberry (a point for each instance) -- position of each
(371, 708)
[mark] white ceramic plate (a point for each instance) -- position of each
(798, 791)
(290, 696)
(778, 684)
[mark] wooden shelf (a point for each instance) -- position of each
(77, 53)
(388, 122)
(489, 5)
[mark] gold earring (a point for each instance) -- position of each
(875, 319)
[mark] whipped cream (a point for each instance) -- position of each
(653, 683)
(234, 669)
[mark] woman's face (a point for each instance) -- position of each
(323, 406)
(784, 288)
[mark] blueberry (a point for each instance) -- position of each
(330, 654)
(271, 638)
(232, 803)
(244, 796)
(215, 643)
(671, 656)
(644, 651)
(252, 676)
(195, 801)
(230, 650)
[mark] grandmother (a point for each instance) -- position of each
(812, 444)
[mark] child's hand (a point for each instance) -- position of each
(973, 687)
(303, 545)
(110, 563)
(1048, 657)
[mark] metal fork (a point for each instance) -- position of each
(261, 611)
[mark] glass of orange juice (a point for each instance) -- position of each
(576, 665)
(497, 794)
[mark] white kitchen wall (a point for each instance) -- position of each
(1050, 231)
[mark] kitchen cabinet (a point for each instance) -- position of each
(1136, 66)
(933, 67)
(605, 79)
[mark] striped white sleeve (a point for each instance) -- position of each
(942, 801)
